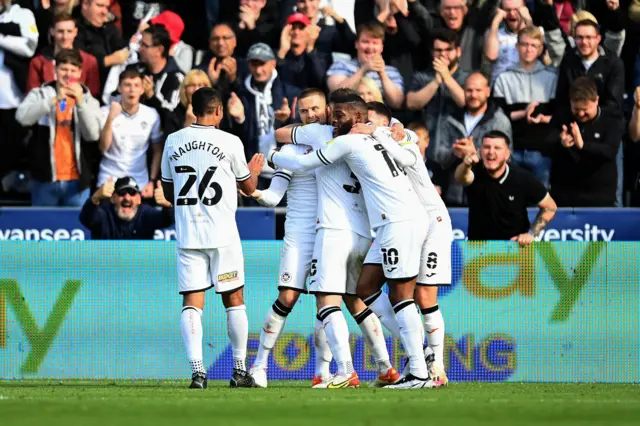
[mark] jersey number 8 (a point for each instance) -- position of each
(183, 200)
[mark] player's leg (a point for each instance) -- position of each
(365, 318)
(322, 374)
(193, 279)
(369, 289)
(295, 260)
(400, 245)
(227, 268)
(328, 278)
(435, 271)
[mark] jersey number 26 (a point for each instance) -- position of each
(205, 182)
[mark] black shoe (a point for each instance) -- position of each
(198, 381)
(241, 379)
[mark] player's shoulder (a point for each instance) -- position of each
(316, 128)
(296, 149)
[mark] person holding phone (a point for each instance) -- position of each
(68, 126)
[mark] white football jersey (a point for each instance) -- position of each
(302, 194)
(417, 173)
(341, 204)
(204, 164)
(387, 191)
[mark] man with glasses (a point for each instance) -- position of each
(115, 212)
(438, 93)
(526, 93)
(225, 70)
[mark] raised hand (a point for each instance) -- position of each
(235, 108)
(284, 112)
(213, 71)
(158, 195)
(107, 188)
(256, 164)
(115, 109)
(577, 135)
(566, 138)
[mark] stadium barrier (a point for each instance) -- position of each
(60, 224)
(563, 311)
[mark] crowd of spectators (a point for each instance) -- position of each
(89, 89)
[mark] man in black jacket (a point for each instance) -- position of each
(583, 149)
(123, 217)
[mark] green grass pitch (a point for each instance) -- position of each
(147, 402)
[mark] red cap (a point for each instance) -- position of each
(172, 22)
(298, 17)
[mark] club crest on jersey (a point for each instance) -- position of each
(229, 276)
(144, 125)
(286, 277)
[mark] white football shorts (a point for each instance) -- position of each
(435, 258)
(397, 248)
(295, 261)
(337, 261)
(201, 269)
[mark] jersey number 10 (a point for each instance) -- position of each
(192, 178)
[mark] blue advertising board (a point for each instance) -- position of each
(259, 224)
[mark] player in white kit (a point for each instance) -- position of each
(340, 246)
(435, 259)
(393, 209)
(204, 165)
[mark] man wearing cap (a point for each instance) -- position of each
(267, 101)
(123, 217)
(299, 63)
(181, 52)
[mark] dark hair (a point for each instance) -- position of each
(223, 24)
(445, 35)
(375, 28)
(418, 125)
(380, 108)
(583, 89)
(338, 95)
(497, 134)
(587, 23)
(481, 74)
(62, 17)
(205, 100)
(160, 37)
(68, 56)
(129, 73)
(311, 91)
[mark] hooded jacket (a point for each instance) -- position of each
(37, 107)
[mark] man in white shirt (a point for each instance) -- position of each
(393, 209)
(129, 129)
(200, 168)
(301, 257)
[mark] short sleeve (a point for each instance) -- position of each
(311, 134)
(239, 163)
(533, 189)
(156, 133)
(165, 168)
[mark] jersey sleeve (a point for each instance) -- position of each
(272, 196)
(165, 168)
(404, 157)
(156, 133)
(310, 134)
(335, 150)
(239, 164)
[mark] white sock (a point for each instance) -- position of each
(335, 326)
(379, 303)
(191, 328)
(238, 328)
(411, 332)
(374, 338)
(323, 352)
(434, 326)
(271, 330)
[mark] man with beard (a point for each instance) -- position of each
(583, 168)
(298, 260)
(499, 194)
(461, 129)
(501, 38)
(123, 217)
(438, 93)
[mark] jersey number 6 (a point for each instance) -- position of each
(183, 200)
